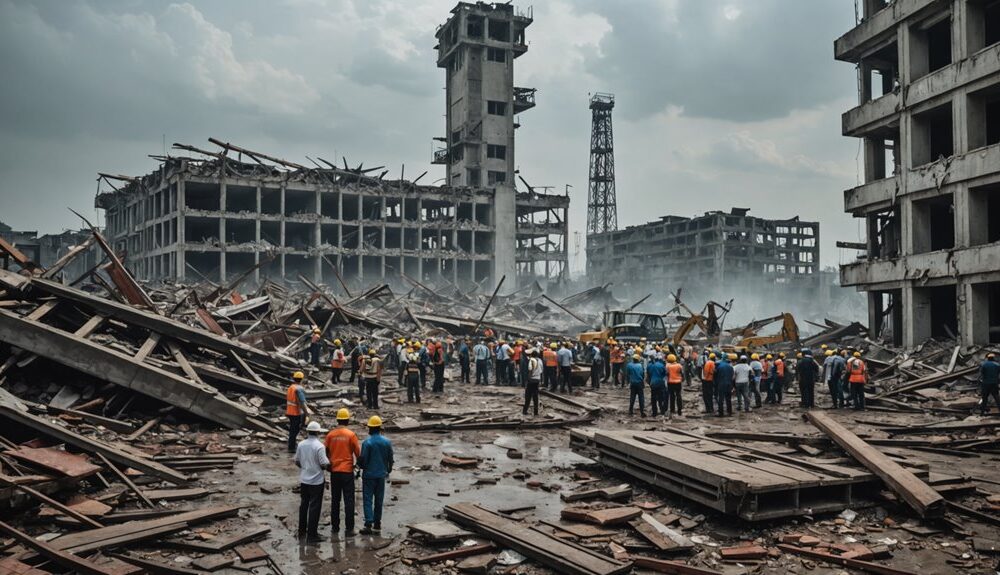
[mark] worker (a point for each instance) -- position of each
(596, 365)
(533, 379)
(635, 374)
(343, 450)
(832, 378)
(778, 382)
(857, 377)
(295, 408)
(807, 372)
(708, 383)
(371, 375)
(565, 355)
(989, 382)
(312, 461)
(550, 363)
(376, 462)
(767, 378)
(724, 376)
(756, 372)
(741, 379)
(501, 355)
(656, 376)
(606, 356)
(617, 363)
(315, 344)
(403, 358)
(675, 381)
(424, 360)
(464, 361)
(412, 376)
(481, 354)
(337, 360)
(437, 364)
(353, 356)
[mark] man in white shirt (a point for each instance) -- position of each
(312, 461)
(741, 375)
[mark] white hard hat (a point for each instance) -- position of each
(314, 426)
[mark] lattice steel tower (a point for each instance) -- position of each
(602, 205)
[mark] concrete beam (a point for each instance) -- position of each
(116, 367)
(872, 196)
(979, 263)
(861, 39)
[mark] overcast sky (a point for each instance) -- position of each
(718, 103)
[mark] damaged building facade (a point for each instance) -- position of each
(929, 119)
(234, 210)
(714, 252)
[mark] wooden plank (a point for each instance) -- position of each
(112, 424)
(53, 503)
(581, 530)
(660, 535)
(90, 326)
(671, 567)
(54, 459)
(610, 516)
(64, 261)
(455, 554)
(176, 494)
(138, 530)
(213, 562)
(57, 556)
(219, 544)
(920, 496)
(147, 346)
(251, 552)
(145, 427)
(128, 482)
(156, 567)
(563, 556)
(866, 566)
(930, 381)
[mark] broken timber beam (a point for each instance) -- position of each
(920, 496)
(62, 558)
(866, 566)
(121, 369)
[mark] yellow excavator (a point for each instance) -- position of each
(750, 340)
(627, 326)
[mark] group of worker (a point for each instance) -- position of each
(341, 454)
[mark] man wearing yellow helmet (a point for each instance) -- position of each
(617, 363)
(636, 378)
(857, 377)
(295, 408)
(376, 461)
(315, 344)
(371, 376)
(412, 375)
(756, 374)
(343, 449)
(675, 381)
(550, 363)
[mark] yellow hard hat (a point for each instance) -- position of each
(799, 355)
(829, 352)
(754, 356)
(416, 344)
(336, 342)
(769, 356)
(554, 345)
(298, 375)
(671, 358)
(731, 356)
(637, 357)
(316, 330)
(343, 414)
(374, 421)
(372, 351)
(711, 356)
(824, 346)
(401, 340)
(857, 354)
(781, 354)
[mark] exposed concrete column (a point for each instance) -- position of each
(917, 315)
(504, 232)
(962, 207)
(960, 124)
(974, 323)
(420, 238)
(222, 231)
(904, 39)
(318, 240)
(959, 30)
(864, 83)
(281, 229)
(382, 250)
(909, 235)
(256, 236)
(181, 271)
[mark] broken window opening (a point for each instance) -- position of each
(496, 108)
(932, 136)
(494, 177)
(884, 234)
(499, 30)
(934, 224)
(983, 24)
(984, 215)
(496, 151)
(199, 196)
(984, 117)
(496, 55)
(930, 46)
(241, 199)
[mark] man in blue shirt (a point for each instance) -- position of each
(724, 375)
(989, 379)
(376, 461)
(565, 355)
(463, 361)
(635, 376)
(481, 353)
(657, 375)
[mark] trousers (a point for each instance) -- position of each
(674, 398)
(530, 395)
(565, 372)
(708, 395)
(371, 392)
(413, 387)
(466, 372)
(310, 505)
(657, 399)
(724, 397)
(987, 391)
(294, 426)
(342, 489)
(635, 391)
(549, 373)
(743, 395)
(858, 395)
(372, 496)
(482, 373)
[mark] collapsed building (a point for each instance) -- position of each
(929, 119)
(237, 211)
(709, 252)
(47, 249)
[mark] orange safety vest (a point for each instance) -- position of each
(779, 365)
(550, 358)
(675, 373)
(516, 355)
(292, 406)
(857, 371)
(337, 362)
(708, 372)
(617, 355)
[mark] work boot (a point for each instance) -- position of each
(366, 530)
(377, 529)
(350, 533)
(315, 538)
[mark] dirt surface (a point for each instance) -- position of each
(422, 487)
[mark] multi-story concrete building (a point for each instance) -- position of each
(929, 118)
(714, 255)
(219, 216)
(47, 249)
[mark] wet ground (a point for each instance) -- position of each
(265, 483)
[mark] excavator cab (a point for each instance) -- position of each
(627, 326)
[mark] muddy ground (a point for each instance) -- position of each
(266, 484)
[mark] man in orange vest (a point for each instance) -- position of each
(778, 385)
(857, 377)
(617, 364)
(343, 450)
(675, 380)
(337, 361)
(295, 408)
(550, 361)
(708, 384)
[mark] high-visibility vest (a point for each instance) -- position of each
(370, 366)
(779, 365)
(708, 372)
(413, 363)
(857, 371)
(292, 406)
(617, 355)
(337, 362)
(516, 355)
(675, 373)
(550, 358)
(765, 369)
